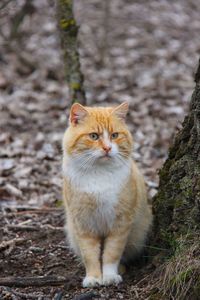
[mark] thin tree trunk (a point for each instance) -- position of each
(69, 34)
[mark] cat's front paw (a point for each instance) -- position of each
(111, 279)
(90, 281)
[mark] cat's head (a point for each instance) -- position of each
(98, 135)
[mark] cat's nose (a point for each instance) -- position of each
(106, 148)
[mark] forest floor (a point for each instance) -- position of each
(136, 51)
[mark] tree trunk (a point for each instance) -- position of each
(177, 209)
(177, 203)
(69, 33)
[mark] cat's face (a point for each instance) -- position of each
(98, 135)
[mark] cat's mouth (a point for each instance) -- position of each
(106, 156)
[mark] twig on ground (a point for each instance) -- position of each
(35, 211)
(14, 241)
(23, 228)
(55, 265)
(22, 295)
(34, 228)
(22, 208)
(10, 245)
(85, 296)
(33, 281)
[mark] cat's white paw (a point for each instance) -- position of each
(111, 279)
(110, 274)
(90, 281)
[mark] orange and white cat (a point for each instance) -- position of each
(108, 215)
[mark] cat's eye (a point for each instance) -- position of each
(114, 135)
(94, 136)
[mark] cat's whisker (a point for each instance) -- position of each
(124, 153)
(123, 159)
(84, 164)
(83, 154)
(87, 162)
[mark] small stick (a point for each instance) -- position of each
(10, 243)
(33, 281)
(85, 296)
(31, 208)
(33, 228)
(23, 228)
(34, 211)
(21, 295)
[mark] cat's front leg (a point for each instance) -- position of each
(90, 251)
(114, 246)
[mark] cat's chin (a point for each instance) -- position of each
(105, 158)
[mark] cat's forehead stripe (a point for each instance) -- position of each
(103, 121)
(102, 127)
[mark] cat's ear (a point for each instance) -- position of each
(121, 111)
(77, 113)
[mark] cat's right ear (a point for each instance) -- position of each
(77, 113)
(121, 111)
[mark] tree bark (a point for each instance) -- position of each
(69, 34)
(177, 203)
(176, 234)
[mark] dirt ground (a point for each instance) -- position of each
(143, 52)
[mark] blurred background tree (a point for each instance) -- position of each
(69, 41)
(12, 16)
(16, 19)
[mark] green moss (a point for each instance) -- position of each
(65, 24)
(66, 2)
(59, 203)
(164, 172)
(186, 182)
(178, 202)
(75, 86)
(169, 239)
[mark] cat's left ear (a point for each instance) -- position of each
(121, 111)
(77, 113)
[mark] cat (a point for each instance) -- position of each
(108, 216)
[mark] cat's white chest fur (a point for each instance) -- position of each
(104, 183)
